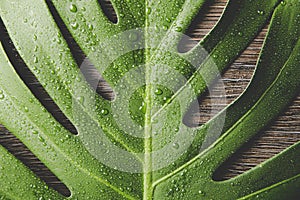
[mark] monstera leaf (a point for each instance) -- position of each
(137, 146)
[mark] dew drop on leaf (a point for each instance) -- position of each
(143, 108)
(41, 139)
(74, 25)
(35, 60)
(133, 36)
(158, 91)
(1, 95)
(201, 193)
(260, 12)
(73, 8)
(90, 27)
(175, 145)
(148, 11)
(178, 29)
(104, 112)
(81, 99)
(26, 109)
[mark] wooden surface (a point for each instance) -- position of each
(284, 132)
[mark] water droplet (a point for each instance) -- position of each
(35, 60)
(104, 112)
(81, 99)
(133, 36)
(148, 11)
(26, 109)
(143, 108)
(2, 96)
(201, 192)
(178, 29)
(35, 132)
(58, 41)
(74, 25)
(73, 8)
(260, 12)
(240, 34)
(41, 139)
(283, 3)
(90, 27)
(175, 145)
(158, 91)
(121, 15)
(165, 27)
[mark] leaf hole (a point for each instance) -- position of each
(202, 24)
(21, 152)
(235, 80)
(281, 134)
(108, 10)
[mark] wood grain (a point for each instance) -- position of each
(284, 132)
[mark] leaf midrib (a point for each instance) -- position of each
(147, 165)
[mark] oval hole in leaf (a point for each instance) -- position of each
(284, 132)
(235, 79)
(201, 25)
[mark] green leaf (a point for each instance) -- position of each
(136, 146)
